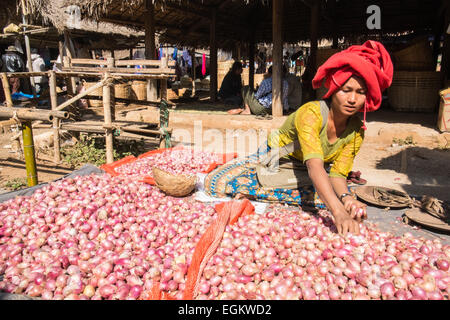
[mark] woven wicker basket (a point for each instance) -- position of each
(139, 90)
(171, 94)
(416, 57)
(176, 186)
(94, 103)
(415, 91)
(122, 90)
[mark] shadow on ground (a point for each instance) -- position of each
(428, 170)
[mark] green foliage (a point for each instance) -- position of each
(92, 150)
(16, 183)
(402, 142)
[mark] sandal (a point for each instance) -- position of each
(431, 212)
(355, 177)
(264, 117)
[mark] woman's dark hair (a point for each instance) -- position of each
(236, 66)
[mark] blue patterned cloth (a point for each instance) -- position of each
(239, 176)
(264, 93)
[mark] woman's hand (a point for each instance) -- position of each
(344, 223)
(355, 208)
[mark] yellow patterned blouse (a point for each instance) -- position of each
(306, 125)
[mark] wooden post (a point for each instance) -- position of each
(251, 60)
(334, 23)
(7, 90)
(314, 33)
(193, 70)
(71, 54)
(445, 59)
(150, 47)
(54, 105)
(69, 81)
(61, 50)
(213, 56)
(277, 58)
(108, 124)
(110, 63)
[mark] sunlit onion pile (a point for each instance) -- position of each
(281, 255)
(178, 161)
(102, 237)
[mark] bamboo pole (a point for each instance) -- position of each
(54, 104)
(28, 52)
(110, 64)
(80, 95)
(28, 151)
(277, 57)
(31, 114)
(25, 114)
(108, 126)
(7, 90)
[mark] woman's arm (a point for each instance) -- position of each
(343, 221)
(356, 208)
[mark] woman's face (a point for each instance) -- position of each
(350, 98)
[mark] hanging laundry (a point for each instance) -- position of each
(203, 65)
(175, 53)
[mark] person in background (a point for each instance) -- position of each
(38, 65)
(260, 103)
(12, 62)
(230, 90)
(294, 92)
(261, 60)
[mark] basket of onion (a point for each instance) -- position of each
(173, 185)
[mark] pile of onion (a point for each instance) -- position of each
(178, 161)
(103, 237)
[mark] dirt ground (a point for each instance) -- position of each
(419, 168)
(12, 164)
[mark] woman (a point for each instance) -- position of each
(327, 132)
(260, 103)
(230, 90)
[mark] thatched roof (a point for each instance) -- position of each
(186, 22)
(59, 14)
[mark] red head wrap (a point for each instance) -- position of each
(369, 61)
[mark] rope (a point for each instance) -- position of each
(16, 118)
